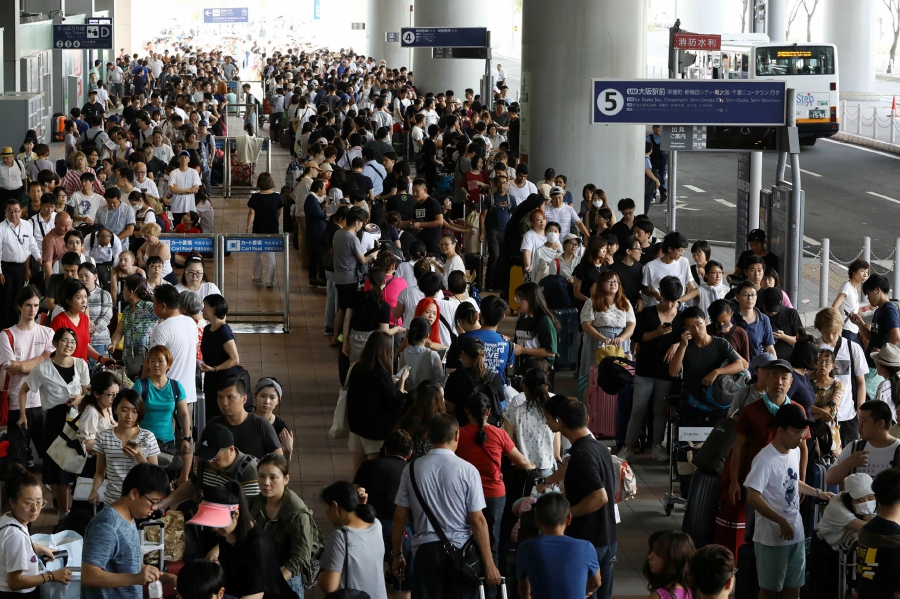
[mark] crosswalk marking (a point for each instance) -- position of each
(725, 203)
(694, 189)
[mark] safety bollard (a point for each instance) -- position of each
(824, 272)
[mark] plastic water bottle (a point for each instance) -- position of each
(156, 590)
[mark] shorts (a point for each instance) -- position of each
(780, 566)
(358, 444)
(345, 294)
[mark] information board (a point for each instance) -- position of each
(83, 37)
(688, 102)
(226, 15)
(391, 36)
(248, 244)
(445, 37)
(743, 204)
(203, 245)
(680, 138)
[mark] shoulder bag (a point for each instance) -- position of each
(340, 427)
(67, 451)
(466, 564)
(346, 593)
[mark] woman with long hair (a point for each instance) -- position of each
(357, 542)
(536, 327)
(136, 322)
(593, 262)
(245, 551)
(527, 425)
(367, 313)
(473, 372)
(666, 569)
(606, 319)
(374, 398)
(96, 414)
(428, 402)
(430, 310)
(287, 520)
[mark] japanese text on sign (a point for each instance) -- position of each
(265, 244)
(189, 244)
(696, 41)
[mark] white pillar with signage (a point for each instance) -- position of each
(702, 16)
(565, 44)
(439, 75)
(850, 24)
(388, 16)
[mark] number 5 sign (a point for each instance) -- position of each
(610, 101)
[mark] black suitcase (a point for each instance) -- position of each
(746, 582)
(475, 263)
(568, 339)
(714, 451)
(700, 512)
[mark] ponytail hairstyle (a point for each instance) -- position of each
(536, 389)
(374, 296)
(473, 348)
(345, 496)
(477, 406)
(466, 313)
(18, 479)
(231, 493)
(138, 286)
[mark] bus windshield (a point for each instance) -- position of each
(772, 61)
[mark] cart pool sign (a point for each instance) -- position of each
(688, 102)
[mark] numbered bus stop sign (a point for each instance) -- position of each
(688, 102)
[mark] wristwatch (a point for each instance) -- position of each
(188, 439)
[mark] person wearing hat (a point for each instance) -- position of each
(887, 363)
(845, 514)
(244, 550)
(184, 182)
(757, 386)
(785, 321)
(13, 176)
(774, 487)
(563, 214)
(218, 461)
(756, 240)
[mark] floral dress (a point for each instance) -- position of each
(829, 399)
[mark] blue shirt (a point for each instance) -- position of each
(759, 334)
(498, 352)
(315, 217)
(159, 405)
(113, 545)
(884, 320)
(557, 567)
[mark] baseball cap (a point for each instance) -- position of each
(326, 168)
(756, 235)
(215, 438)
(761, 360)
(780, 364)
(793, 415)
(858, 485)
(556, 190)
(184, 153)
(772, 299)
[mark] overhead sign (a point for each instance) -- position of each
(226, 15)
(444, 37)
(83, 37)
(688, 102)
(679, 138)
(203, 245)
(743, 204)
(357, 26)
(392, 36)
(477, 53)
(317, 10)
(248, 244)
(99, 21)
(699, 138)
(697, 41)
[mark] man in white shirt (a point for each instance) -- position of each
(184, 182)
(116, 79)
(671, 263)
(521, 187)
(142, 182)
(400, 104)
(875, 451)
(17, 244)
(178, 333)
(161, 150)
(501, 76)
(431, 116)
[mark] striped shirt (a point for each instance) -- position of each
(139, 324)
(565, 216)
(242, 470)
(118, 465)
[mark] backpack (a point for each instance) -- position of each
(312, 538)
(485, 387)
(62, 167)
(481, 150)
(176, 390)
(860, 444)
(556, 292)
(626, 482)
(613, 374)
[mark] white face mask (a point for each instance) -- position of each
(553, 237)
(598, 204)
(865, 508)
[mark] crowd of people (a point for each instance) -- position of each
(393, 196)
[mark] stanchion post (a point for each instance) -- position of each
(858, 118)
(269, 156)
(893, 127)
(867, 249)
(287, 284)
(896, 290)
(824, 272)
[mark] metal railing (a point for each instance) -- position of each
(253, 243)
(854, 120)
(828, 261)
(229, 146)
(202, 243)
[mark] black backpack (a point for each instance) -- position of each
(612, 374)
(556, 292)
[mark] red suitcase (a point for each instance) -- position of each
(601, 408)
(730, 522)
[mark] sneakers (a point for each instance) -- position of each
(625, 454)
(329, 332)
(659, 453)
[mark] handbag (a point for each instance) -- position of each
(346, 593)
(340, 427)
(606, 351)
(466, 561)
(66, 450)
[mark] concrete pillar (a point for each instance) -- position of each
(9, 21)
(776, 20)
(448, 74)
(565, 44)
(384, 16)
(702, 16)
(850, 25)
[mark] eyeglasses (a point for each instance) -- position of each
(193, 273)
(34, 505)
(153, 502)
(748, 295)
(68, 342)
(109, 395)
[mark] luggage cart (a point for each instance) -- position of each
(675, 432)
(847, 569)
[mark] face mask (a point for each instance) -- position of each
(552, 237)
(598, 204)
(724, 325)
(865, 508)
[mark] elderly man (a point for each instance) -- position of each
(114, 216)
(54, 245)
(142, 182)
(12, 176)
(17, 244)
(563, 214)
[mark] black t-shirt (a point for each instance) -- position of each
(878, 556)
(588, 274)
(251, 567)
(360, 181)
(459, 387)
(651, 357)
(591, 469)
(621, 231)
(788, 321)
(213, 345)
(265, 207)
(367, 317)
(390, 182)
(381, 480)
(92, 109)
(429, 150)
(254, 436)
(700, 361)
(403, 204)
(629, 279)
(802, 392)
(427, 212)
(770, 259)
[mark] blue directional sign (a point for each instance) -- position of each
(317, 10)
(203, 245)
(688, 102)
(449, 37)
(247, 244)
(83, 37)
(226, 15)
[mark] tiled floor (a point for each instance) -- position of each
(307, 368)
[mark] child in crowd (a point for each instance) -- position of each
(127, 266)
(666, 568)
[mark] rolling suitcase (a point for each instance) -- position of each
(500, 595)
(475, 265)
(746, 582)
(567, 339)
(700, 511)
(601, 408)
(516, 278)
(731, 524)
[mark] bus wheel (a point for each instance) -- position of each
(808, 141)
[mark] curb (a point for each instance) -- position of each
(867, 142)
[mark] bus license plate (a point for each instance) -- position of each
(817, 114)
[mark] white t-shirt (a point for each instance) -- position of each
(87, 205)
(835, 517)
(185, 180)
(532, 241)
(16, 552)
(206, 288)
(884, 393)
(656, 270)
(418, 137)
(410, 298)
(518, 194)
(179, 335)
(28, 345)
(776, 476)
(163, 152)
(454, 263)
(879, 459)
(850, 304)
(431, 117)
(847, 409)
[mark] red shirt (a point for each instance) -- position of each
(82, 332)
(753, 423)
(486, 458)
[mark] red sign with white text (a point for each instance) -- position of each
(697, 41)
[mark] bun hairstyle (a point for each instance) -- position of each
(18, 479)
(345, 496)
